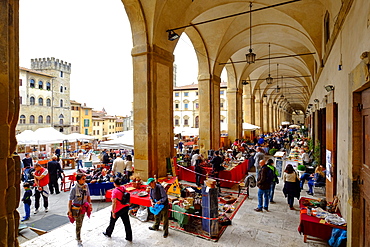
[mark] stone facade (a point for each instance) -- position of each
(45, 95)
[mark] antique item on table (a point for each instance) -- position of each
(136, 180)
(130, 188)
(335, 220)
(228, 199)
(142, 194)
(211, 183)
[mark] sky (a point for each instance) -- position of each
(95, 37)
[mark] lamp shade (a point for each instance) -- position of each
(250, 57)
(269, 79)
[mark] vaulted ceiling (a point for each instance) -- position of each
(292, 28)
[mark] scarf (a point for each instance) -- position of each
(82, 188)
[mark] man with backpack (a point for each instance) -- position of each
(265, 178)
(120, 207)
(275, 172)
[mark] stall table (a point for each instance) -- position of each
(235, 174)
(182, 219)
(313, 226)
(99, 189)
(69, 161)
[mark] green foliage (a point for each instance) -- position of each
(272, 151)
(301, 168)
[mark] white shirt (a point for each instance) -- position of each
(305, 157)
(128, 165)
(194, 159)
(80, 156)
(118, 165)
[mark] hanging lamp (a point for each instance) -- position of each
(277, 78)
(250, 57)
(269, 79)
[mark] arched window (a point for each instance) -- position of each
(32, 83)
(48, 119)
(61, 103)
(61, 89)
(41, 101)
(48, 102)
(48, 86)
(22, 119)
(32, 100)
(32, 119)
(61, 121)
(41, 84)
(41, 119)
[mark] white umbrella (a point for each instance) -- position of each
(49, 135)
(77, 136)
(294, 126)
(26, 137)
(186, 131)
(126, 141)
(248, 126)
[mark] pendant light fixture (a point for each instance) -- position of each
(277, 78)
(269, 79)
(250, 57)
(282, 83)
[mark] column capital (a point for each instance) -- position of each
(143, 50)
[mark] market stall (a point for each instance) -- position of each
(228, 177)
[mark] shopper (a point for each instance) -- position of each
(118, 165)
(291, 185)
(260, 155)
(41, 176)
(318, 179)
(79, 203)
(270, 164)
(264, 185)
(129, 166)
(159, 196)
(27, 201)
(80, 157)
(54, 171)
(119, 210)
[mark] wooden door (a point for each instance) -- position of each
(365, 171)
(331, 146)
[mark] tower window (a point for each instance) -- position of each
(48, 86)
(41, 101)
(32, 100)
(32, 83)
(48, 102)
(61, 103)
(61, 73)
(41, 85)
(61, 89)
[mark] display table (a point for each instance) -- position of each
(99, 189)
(313, 226)
(69, 161)
(182, 219)
(235, 174)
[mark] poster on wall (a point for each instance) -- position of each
(328, 165)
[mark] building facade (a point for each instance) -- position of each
(44, 95)
(186, 106)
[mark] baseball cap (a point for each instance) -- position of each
(150, 180)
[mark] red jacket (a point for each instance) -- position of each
(45, 180)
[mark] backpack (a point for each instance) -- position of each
(276, 179)
(125, 197)
(270, 175)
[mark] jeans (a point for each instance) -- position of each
(261, 194)
(305, 176)
(272, 190)
(311, 183)
(123, 214)
(27, 210)
(79, 163)
(258, 168)
(290, 200)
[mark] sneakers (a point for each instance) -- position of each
(46, 210)
(24, 219)
(36, 211)
(258, 209)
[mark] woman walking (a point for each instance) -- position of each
(119, 210)
(291, 185)
(79, 203)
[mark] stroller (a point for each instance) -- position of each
(30, 178)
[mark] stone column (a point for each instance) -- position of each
(271, 118)
(153, 109)
(9, 108)
(209, 113)
(258, 114)
(248, 115)
(265, 116)
(233, 114)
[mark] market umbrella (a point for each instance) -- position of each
(248, 126)
(294, 126)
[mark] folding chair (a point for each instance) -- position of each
(67, 182)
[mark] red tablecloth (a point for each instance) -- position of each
(310, 225)
(134, 198)
(235, 174)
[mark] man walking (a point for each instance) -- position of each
(27, 165)
(263, 185)
(54, 171)
(257, 158)
(118, 165)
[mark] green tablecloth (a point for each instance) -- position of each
(182, 219)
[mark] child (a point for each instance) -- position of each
(27, 201)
